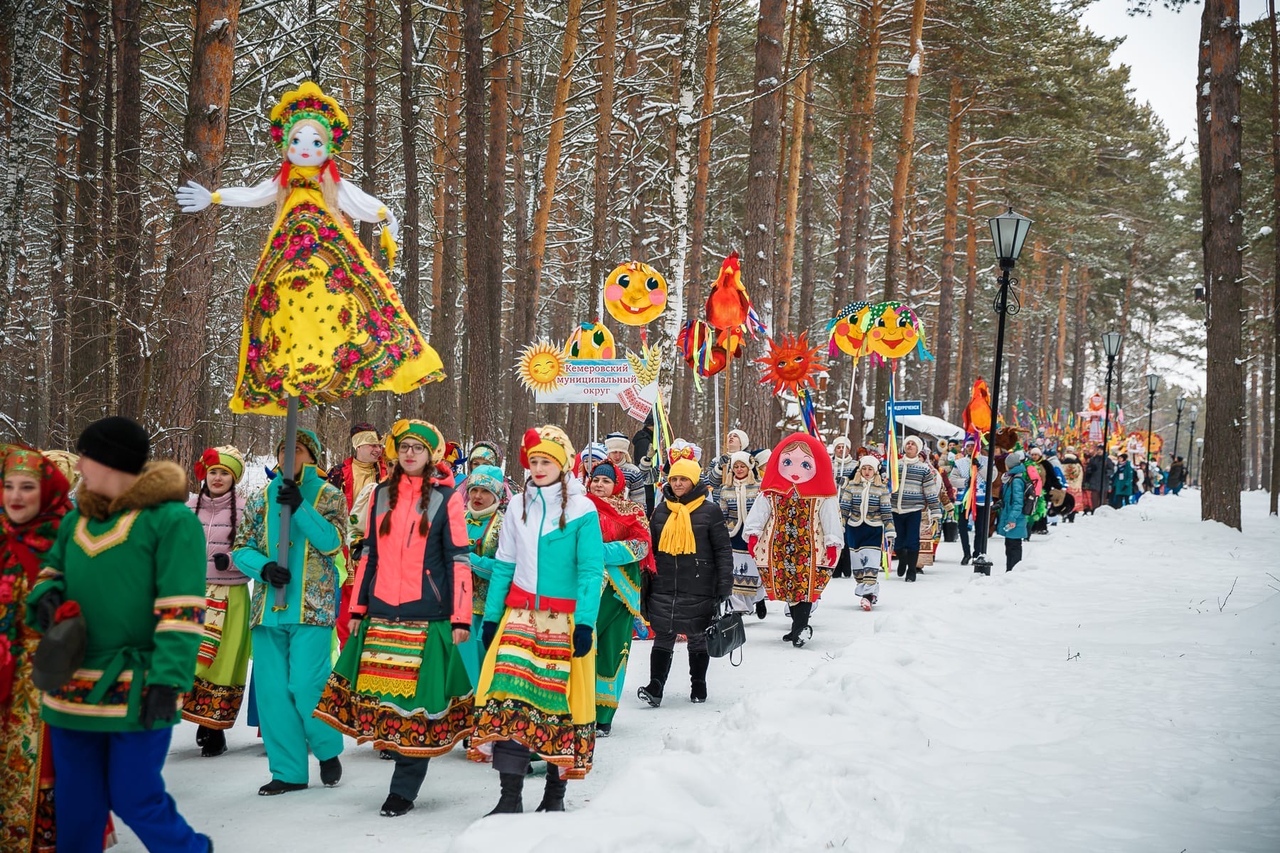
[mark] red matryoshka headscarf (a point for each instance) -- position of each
(821, 485)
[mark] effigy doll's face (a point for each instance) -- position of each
(796, 465)
(306, 146)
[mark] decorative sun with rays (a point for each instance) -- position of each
(540, 366)
(791, 364)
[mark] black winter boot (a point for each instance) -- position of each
(800, 630)
(761, 610)
(698, 662)
(553, 794)
(511, 801)
(659, 668)
(911, 557)
(214, 743)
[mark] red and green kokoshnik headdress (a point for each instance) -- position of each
(308, 102)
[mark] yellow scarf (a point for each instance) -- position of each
(677, 533)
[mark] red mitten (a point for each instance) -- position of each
(831, 555)
(751, 544)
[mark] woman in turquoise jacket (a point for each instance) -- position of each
(537, 688)
(1011, 523)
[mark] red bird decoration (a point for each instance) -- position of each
(728, 305)
(977, 415)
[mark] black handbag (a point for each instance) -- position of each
(726, 635)
(950, 531)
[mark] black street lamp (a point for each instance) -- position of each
(1191, 443)
(1177, 425)
(1153, 383)
(1008, 233)
(1110, 346)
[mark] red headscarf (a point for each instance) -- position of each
(821, 485)
(620, 519)
(21, 548)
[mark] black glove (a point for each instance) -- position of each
(159, 705)
(221, 562)
(46, 607)
(488, 630)
(582, 637)
(289, 495)
(276, 574)
(357, 550)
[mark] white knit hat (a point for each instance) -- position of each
(617, 441)
(916, 440)
(869, 460)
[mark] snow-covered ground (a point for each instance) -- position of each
(1119, 691)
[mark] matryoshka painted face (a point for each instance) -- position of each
(306, 146)
(635, 294)
(796, 465)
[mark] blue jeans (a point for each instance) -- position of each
(101, 772)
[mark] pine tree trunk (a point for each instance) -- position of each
(606, 65)
(762, 188)
(865, 137)
(442, 397)
(969, 369)
(1060, 361)
(791, 210)
(410, 223)
(60, 358)
(129, 287)
(524, 306)
(1076, 400)
(702, 174)
(942, 380)
(807, 305)
(482, 291)
(1218, 103)
(496, 189)
(906, 151)
(181, 365)
(1275, 213)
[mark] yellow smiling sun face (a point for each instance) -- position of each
(540, 367)
(635, 294)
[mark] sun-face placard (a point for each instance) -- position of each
(791, 364)
(845, 330)
(635, 294)
(540, 366)
(591, 341)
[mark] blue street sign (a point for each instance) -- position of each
(904, 407)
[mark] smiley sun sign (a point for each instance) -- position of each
(635, 294)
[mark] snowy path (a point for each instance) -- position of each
(1099, 698)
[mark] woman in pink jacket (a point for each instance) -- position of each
(400, 682)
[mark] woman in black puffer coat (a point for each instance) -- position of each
(695, 575)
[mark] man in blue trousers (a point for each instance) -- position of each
(293, 645)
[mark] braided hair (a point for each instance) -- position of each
(235, 510)
(564, 499)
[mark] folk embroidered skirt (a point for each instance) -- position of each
(533, 691)
(401, 686)
(222, 663)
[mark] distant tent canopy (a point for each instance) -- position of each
(931, 426)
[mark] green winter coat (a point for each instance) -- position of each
(136, 567)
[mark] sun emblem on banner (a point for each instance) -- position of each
(540, 366)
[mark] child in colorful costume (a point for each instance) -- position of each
(868, 526)
(537, 688)
(222, 664)
(627, 553)
(322, 320)
(36, 498)
(401, 683)
(737, 497)
(486, 490)
(130, 562)
(292, 647)
(794, 529)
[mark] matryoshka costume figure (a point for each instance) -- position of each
(794, 528)
(537, 689)
(322, 320)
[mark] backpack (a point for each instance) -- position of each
(1028, 497)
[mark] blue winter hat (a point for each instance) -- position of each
(489, 478)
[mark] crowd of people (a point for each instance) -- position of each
(423, 601)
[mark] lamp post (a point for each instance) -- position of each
(1110, 346)
(1008, 233)
(1191, 442)
(1153, 383)
(1177, 424)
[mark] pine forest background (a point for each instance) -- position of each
(847, 148)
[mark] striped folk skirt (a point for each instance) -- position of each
(222, 663)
